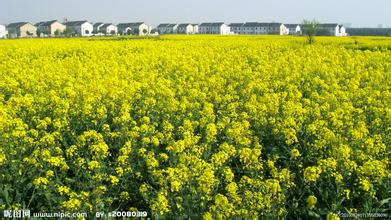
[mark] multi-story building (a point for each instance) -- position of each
(186, 28)
(21, 29)
(236, 28)
(50, 28)
(167, 28)
(81, 28)
(3, 31)
(214, 28)
(293, 29)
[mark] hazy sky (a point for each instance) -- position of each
(358, 12)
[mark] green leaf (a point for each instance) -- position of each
(385, 201)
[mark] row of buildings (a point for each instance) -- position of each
(85, 29)
(248, 28)
(76, 28)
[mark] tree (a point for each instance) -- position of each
(309, 29)
(67, 32)
(57, 32)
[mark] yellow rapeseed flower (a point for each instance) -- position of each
(311, 174)
(295, 153)
(63, 190)
(41, 182)
(311, 201)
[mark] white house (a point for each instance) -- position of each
(167, 28)
(214, 28)
(162, 28)
(81, 28)
(140, 28)
(137, 28)
(109, 29)
(185, 29)
(236, 28)
(50, 28)
(293, 29)
(124, 29)
(275, 28)
(342, 31)
(21, 29)
(263, 28)
(252, 28)
(332, 29)
(3, 31)
(97, 28)
(196, 28)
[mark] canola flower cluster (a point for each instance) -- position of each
(215, 127)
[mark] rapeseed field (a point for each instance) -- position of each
(208, 127)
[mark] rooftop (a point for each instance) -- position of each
(75, 23)
(211, 24)
(184, 25)
(236, 24)
(17, 24)
(106, 25)
(328, 25)
(45, 23)
(291, 25)
(98, 24)
(123, 25)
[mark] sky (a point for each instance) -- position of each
(360, 13)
